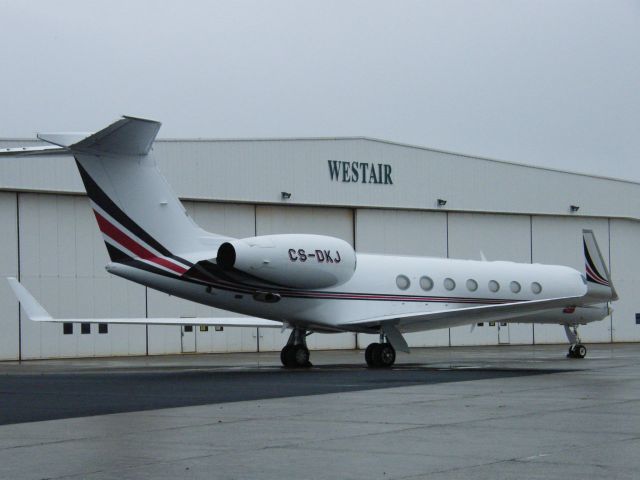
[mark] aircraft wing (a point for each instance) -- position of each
(432, 320)
(37, 313)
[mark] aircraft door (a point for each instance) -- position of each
(188, 339)
(503, 333)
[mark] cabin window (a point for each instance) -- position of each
(403, 282)
(472, 285)
(67, 328)
(536, 288)
(426, 283)
(449, 284)
(85, 328)
(103, 328)
(494, 286)
(515, 287)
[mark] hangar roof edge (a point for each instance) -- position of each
(400, 144)
(378, 140)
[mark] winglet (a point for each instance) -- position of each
(30, 305)
(597, 274)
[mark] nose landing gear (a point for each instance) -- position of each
(576, 349)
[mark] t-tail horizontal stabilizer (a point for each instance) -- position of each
(127, 136)
(37, 313)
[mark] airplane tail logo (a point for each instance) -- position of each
(125, 239)
(598, 277)
(593, 275)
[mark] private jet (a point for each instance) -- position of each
(305, 283)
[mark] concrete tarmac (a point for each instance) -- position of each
(481, 412)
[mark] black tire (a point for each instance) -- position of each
(376, 355)
(368, 354)
(387, 355)
(290, 357)
(580, 351)
(301, 356)
(285, 355)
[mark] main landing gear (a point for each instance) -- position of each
(295, 353)
(380, 355)
(576, 349)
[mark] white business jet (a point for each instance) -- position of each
(308, 283)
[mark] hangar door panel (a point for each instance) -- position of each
(498, 237)
(225, 219)
(9, 337)
(62, 257)
(336, 222)
(403, 232)
(625, 265)
(558, 240)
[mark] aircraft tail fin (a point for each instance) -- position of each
(599, 284)
(141, 218)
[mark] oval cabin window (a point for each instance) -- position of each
(402, 281)
(536, 288)
(515, 287)
(472, 285)
(426, 283)
(449, 284)
(494, 286)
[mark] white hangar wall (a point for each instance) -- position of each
(508, 212)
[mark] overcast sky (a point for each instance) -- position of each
(552, 83)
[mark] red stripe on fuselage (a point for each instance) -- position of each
(123, 239)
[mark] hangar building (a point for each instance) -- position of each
(380, 196)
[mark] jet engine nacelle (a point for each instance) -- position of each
(299, 261)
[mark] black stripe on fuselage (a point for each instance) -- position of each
(105, 203)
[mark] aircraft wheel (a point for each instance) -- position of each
(295, 356)
(285, 355)
(368, 354)
(387, 355)
(301, 356)
(381, 355)
(580, 351)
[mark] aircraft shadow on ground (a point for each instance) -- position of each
(28, 398)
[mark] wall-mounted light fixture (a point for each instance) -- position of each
(574, 208)
(285, 195)
(442, 202)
